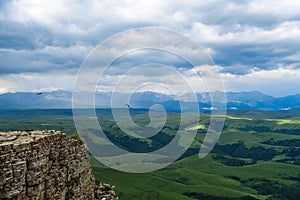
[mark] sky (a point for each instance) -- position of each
(255, 45)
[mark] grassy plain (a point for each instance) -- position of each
(257, 156)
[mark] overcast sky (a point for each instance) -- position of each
(255, 44)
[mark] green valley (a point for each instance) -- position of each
(256, 157)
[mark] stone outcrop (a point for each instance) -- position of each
(47, 165)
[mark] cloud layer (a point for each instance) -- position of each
(255, 44)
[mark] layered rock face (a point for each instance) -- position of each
(46, 165)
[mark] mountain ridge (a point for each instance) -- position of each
(235, 100)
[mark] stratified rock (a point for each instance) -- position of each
(47, 165)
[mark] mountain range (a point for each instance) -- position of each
(63, 100)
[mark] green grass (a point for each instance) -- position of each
(195, 175)
(161, 184)
(253, 138)
(288, 121)
(199, 126)
(190, 174)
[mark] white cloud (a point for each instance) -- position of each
(51, 81)
(258, 38)
(284, 32)
(277, 82)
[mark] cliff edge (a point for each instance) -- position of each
(47, 165)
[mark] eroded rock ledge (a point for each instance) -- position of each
(47, 165)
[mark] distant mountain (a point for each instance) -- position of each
(288, 102)
(249, 100)
(29, 100)
(235, 101)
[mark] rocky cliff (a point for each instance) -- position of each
(47, 165)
